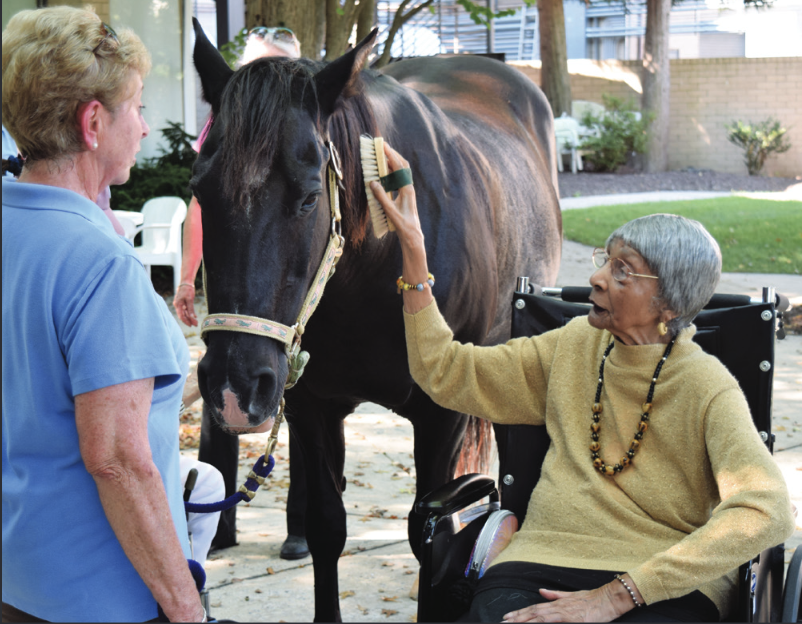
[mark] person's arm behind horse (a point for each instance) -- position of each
(184, 301)
(112, 425)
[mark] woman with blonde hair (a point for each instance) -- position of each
(93, 364)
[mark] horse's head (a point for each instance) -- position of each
(261, 179)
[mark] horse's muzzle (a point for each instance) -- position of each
(241, 403)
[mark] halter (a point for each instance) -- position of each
(291, 335)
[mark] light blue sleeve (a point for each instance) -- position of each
(114, 331)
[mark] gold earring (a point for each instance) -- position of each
(662, 329)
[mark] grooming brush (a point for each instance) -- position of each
(374, 167)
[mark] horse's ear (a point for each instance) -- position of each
(212, 68)
(333, 80)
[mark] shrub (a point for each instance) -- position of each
(758, 140)
(619, 134)
(167, 174)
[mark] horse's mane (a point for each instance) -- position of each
(254, 107)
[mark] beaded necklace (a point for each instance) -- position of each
(595, 448)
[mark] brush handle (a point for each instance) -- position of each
(381, 158)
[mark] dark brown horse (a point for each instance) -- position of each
(479, 137)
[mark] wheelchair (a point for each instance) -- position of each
(739, 330)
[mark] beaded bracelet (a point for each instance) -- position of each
(637, 602)
(186, 284)
(402, 285)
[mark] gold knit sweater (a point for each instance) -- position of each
(702, 496)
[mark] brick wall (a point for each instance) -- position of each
(706, 94)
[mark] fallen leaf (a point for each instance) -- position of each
(270, 571)
(388, 612)
(387, 564)
(247, 598)
(236, 580)
(347, 594)
(410, 572)
(257, 591)
(389, 598)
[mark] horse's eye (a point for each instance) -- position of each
(310, 202)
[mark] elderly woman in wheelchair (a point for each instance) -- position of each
(656, 485)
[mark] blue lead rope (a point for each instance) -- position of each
(246, 492)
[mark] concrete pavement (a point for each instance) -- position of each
(251, 583)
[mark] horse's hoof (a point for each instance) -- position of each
(294, 547)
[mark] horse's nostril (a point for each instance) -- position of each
(265, 380)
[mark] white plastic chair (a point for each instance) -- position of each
(566, 130)
(161, 234)
(580, 107)
(130, 221)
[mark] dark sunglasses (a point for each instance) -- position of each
(278, 33)
(109, 32)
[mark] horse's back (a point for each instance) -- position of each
(486, 92)
(480, 136)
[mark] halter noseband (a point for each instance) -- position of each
(291, 336)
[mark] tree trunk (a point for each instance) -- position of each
(305, 17)
(554, 79)
(656, 83)
(366, 19)
(340, 22)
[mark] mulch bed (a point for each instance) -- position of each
(585, 184)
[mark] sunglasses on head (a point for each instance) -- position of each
(277, 33)
(108, 32)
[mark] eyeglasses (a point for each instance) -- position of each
(278, 33)
(109, 32)
(619, 269)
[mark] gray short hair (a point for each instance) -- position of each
(683, 254)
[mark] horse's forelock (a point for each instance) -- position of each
(254, 108)
(253, 111)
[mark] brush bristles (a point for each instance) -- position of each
(374, 166)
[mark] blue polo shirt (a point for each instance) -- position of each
(79, 314)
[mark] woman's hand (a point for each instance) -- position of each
(403, 214)
(604, 604)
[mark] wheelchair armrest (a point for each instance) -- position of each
(456, 494)
(792, 593)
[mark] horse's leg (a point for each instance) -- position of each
(438, 440)
(221, 450)
(295, 546)
(318, 427)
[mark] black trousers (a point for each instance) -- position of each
(221, 450)
(514, 585)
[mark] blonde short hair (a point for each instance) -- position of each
(51, 66)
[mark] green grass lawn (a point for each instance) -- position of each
(755, 235)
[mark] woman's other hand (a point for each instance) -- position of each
(604, 604)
